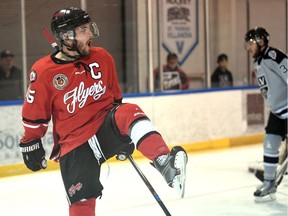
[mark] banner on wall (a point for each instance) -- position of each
(180, 27)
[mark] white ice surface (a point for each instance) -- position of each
(218, 184)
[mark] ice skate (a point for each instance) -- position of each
(173, 168)
(266, 192)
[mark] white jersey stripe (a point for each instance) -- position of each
(34, 126)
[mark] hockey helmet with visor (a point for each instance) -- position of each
(255, 35)
(66, 20)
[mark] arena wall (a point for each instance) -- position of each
(196, 120)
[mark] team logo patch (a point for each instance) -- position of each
(74, 188)
(60, 81)
(264, 92)
(272, 54)
(262, 81)
(33, 76)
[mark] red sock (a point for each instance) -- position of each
(153, 146)
(86, 208)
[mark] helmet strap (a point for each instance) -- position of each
(71, 48)
(69, 56)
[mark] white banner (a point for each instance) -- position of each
(180, 27)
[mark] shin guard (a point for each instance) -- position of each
(271, 155)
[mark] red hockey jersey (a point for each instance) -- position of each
(76, 95)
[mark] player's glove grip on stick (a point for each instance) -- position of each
(33, 155)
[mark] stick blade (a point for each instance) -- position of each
(259, 174)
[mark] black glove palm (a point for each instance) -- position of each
(33, 155)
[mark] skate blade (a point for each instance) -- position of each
(267, 198)
(180, 179)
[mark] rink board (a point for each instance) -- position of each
(195, 119)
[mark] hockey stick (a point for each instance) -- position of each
(122, 157)
(281, 172)
(50, 39)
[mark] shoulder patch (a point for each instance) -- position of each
(33, 76)
(272, 54)
(275, 55)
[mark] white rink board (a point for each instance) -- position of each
(180, 118)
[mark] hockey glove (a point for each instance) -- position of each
(123, 154)
(33, 155)
(128, 150)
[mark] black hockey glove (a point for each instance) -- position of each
(128, 149)
(33, 155)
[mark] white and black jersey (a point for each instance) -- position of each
(272, 74)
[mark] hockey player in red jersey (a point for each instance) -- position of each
(77, 88)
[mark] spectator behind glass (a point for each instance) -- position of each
(222, 77)
(174, 77)
(10, 77)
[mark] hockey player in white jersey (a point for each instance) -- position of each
(271, 71)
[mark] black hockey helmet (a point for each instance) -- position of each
(256, 34)
(68, 19)
(65, 21)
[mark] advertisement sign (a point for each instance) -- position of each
(255, 109)
(9, 146)
(180, 27)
